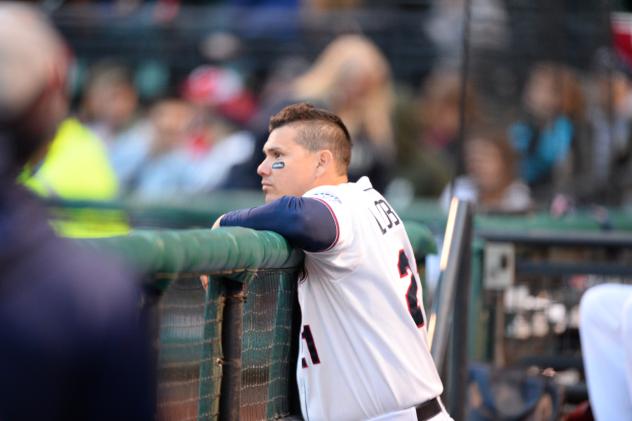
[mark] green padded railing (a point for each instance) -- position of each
(201, 329)
(201, 250)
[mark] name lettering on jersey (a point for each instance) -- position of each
(385, 217)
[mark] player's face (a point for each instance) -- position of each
(298, 172)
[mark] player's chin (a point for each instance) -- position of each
(269, 196)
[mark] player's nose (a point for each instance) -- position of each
(264, 168)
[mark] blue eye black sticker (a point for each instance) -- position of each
(278, 165)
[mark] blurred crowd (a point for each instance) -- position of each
(567, 144)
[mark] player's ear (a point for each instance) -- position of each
(325, 160)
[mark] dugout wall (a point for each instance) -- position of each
(227, 351)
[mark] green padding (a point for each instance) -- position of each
(222, 250)
(421, 239)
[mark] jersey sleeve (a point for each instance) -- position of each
(331, 198)
(307, 223)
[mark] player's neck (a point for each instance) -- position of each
(331, 180)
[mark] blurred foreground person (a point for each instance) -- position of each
(73, 346)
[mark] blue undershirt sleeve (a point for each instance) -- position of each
(306, 223)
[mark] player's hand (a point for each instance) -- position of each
(204, 278)
(204, 281)
(217, 221)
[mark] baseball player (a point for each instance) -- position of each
(363, 347)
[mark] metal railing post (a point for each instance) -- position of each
(457, 377)
(232, 329)
(449, 316)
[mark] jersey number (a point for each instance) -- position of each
(311, 346)
(411, 295)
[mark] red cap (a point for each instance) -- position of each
(222, 90)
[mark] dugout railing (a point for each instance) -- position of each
(532, 283)
(227, 351)
(203, 346)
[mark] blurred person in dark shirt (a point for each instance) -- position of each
(549, 137)
(609, 181)
(73, 344)
(428, 130)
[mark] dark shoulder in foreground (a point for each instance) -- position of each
(71, 329)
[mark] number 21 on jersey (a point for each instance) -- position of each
(411, 294)
(311, 346)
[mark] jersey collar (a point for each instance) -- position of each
(364, 183)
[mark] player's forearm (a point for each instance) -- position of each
(306, 223)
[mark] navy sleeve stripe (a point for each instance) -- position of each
(333, 215)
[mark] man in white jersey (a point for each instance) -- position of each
(363, 351)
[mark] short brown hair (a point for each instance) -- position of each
(321, 129)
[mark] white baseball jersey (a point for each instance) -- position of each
(363, 349)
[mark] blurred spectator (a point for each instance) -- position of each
(549, 137)
(110, 110)
(351, 78)
(490, 180)
(428, 131)
(224, 107)
(75, 167)
(110, 101)
(73, 345)
(161, 171)
(610, 119)
(194, 142)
